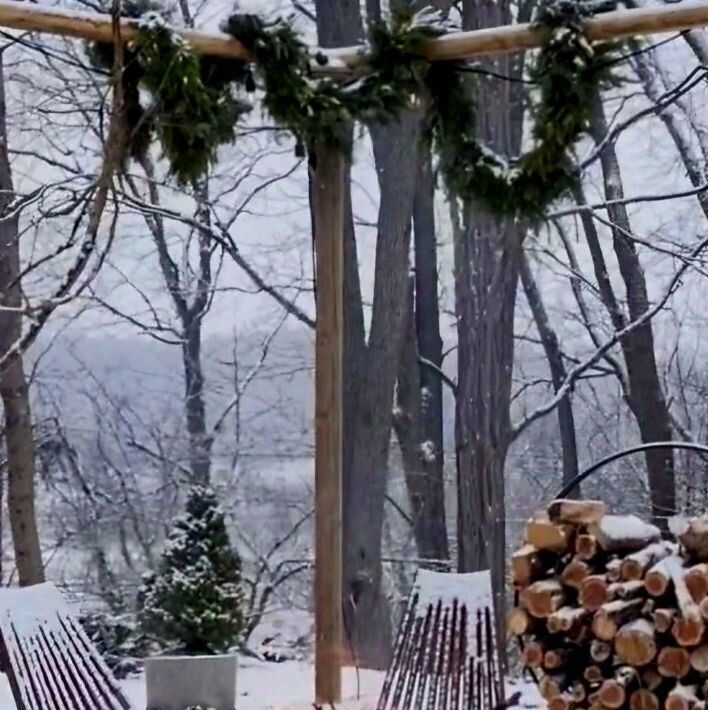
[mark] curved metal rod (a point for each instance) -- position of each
(568, 488)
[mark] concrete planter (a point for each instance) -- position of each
(180, 682)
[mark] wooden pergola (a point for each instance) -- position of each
(328, 231)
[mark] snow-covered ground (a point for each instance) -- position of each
(285, 686)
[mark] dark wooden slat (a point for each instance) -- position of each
(23, 668)
(94, 663)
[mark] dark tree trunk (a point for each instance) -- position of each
(645, 394)
(419, 411)
(14, 390)
(486, 277)
(420, 459)
(554, 356)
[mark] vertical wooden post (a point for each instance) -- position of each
(328, 199)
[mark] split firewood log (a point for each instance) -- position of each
(542, 598)
(532, 655)
(526, 566)
(674, 662)
(688, 626)
(663, 619)
(658, 578)
(693, 535)
(576, 512)
(545, 535)
(613, 693)
(564, 701)
(610, 616)
(575, 573)
(555, 658)
(699, 659)
(586, 547)
(566, 618)
(681, 697)
(625, 533)
(697, 581)
(518, 622)
(635, 643)
(635, 565)
(643, 699)
(594, 592)
(551, 686)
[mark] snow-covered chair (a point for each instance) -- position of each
(445, 654)
(48, 659)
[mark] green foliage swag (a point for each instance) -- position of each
(193, 603)
(196, 100)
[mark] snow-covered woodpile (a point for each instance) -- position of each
(612, 615)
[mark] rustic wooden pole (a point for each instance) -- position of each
(457, 45)
(328, 202)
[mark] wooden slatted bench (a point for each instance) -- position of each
(445, 655)
(49, 660)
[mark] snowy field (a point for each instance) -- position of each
(284, 686)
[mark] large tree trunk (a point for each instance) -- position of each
(419, 411)
(645, 394)
(554, 356)
(486, 277)
(14, 390)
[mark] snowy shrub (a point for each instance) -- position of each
(193, 603)
(117, 639)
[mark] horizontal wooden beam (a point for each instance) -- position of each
(458, 45)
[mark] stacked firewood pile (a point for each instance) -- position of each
(612, 615)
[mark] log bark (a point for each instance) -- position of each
(545, 535)
(635, 566)
(609, 617)
(575, 573)
(623, 533)
(526, 565)
(576, 512)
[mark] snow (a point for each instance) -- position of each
(628, 527)
(473, 588)
(288, 686)
(33, 607)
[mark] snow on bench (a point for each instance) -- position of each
(445, 654)
(49, 660)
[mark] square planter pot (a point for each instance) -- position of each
(179, 682)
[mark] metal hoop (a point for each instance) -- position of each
(690, 446)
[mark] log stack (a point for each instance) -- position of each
(612, 615)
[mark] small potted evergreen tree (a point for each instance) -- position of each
(192, 607)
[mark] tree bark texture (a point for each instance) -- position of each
(486, 277)
(14, 389)
(554, 356)
(645, 395)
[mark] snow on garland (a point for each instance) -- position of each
(197, 101)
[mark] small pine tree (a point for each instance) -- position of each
(192, 603)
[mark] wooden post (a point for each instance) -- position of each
(328, 224)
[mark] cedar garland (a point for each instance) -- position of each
(197, 101)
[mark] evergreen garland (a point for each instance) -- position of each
(568, 73)
(196, 99)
